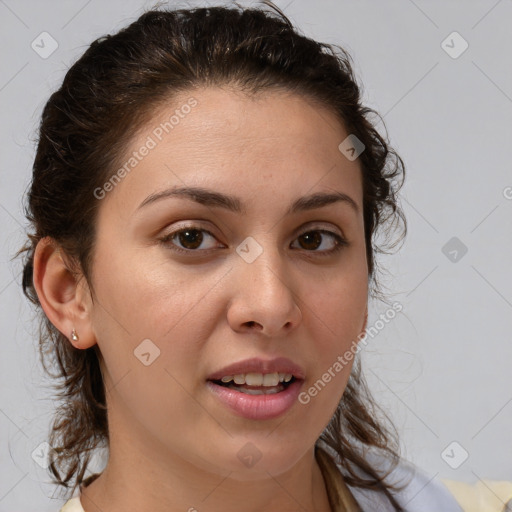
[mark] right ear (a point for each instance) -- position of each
(63, 298)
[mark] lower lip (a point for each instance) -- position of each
(257, 407)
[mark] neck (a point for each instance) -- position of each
(144, 476)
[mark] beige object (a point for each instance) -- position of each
(72, 505)
(482, 496)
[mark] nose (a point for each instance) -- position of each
(265, 300)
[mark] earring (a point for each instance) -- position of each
(74, 335)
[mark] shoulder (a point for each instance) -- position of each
(420, 492)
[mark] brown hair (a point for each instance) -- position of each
(86, 125)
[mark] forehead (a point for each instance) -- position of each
(275, 142)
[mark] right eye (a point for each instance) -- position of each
(190, 237)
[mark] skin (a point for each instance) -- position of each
(173, 445)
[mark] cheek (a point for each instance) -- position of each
(145, 296)
(337, 308)
(141, 300)
(335, 318)
(150, 324)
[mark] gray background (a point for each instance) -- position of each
(441, 368)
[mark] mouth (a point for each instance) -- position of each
(256, 400)
(272, 383)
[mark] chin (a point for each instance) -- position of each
(250, 463)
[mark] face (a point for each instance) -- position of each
(184, 288)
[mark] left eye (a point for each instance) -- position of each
(192, 237)
(314, 238)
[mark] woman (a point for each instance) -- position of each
(205, 192)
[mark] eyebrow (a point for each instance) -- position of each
(234, 204)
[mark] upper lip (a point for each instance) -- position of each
(257, 365)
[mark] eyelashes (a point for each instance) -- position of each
(188, 231)
(188, 235)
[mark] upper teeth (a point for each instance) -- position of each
(258, 379)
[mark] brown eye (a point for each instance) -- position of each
(189, 238)
(312, 240)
